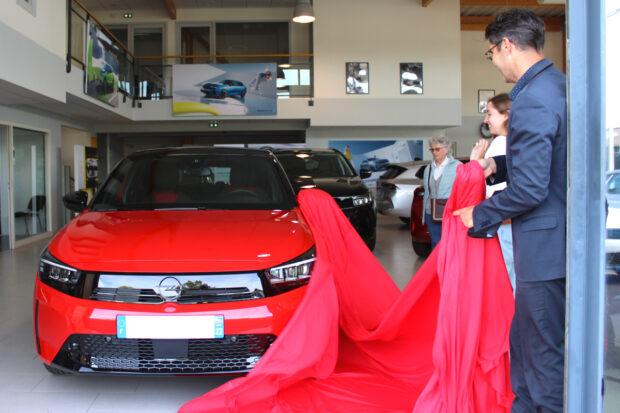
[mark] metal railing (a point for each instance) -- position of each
(141, 79)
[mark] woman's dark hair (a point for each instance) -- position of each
(522, 27)
(502, 103)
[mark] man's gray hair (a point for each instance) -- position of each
(440, 140)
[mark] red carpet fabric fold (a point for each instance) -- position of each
(358, 344)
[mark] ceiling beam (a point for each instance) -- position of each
(426, 2)
(171, 8)
(470, 23)
(506, 3)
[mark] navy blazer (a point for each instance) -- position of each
(535, 167)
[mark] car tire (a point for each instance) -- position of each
(223, 94)
(242, 94)
(423, 249)
(406, 220)
(54, 370)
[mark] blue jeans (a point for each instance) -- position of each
(504, 233)
(434, 229)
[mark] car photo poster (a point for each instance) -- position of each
(244, 89)
(377, 155)
(101, 74)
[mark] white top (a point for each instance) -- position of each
(439, 168)
(497, 147)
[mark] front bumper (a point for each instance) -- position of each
(364, 220)
(80, 335)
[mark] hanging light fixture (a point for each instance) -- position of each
(303, 12)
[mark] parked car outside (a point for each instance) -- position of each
(395, 189)
(224, 88)
(329, 170)
(187, 261)
(612, 270)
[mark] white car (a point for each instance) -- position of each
(395, 188)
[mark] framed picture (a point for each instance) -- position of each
(411, 79)
(483, 96)
(357, 78)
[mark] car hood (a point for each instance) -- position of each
(181, 241)
(334, 186)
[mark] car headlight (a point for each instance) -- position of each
(59, 275)
(362, 200)
(292, 274)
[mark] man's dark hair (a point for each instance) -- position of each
(522, 27)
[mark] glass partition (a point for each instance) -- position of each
(611, 366)
(29, 201)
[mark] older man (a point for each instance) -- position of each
(535, 199)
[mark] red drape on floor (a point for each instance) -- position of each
(357, 344)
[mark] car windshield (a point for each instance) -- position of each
(196, 181)
(315, 164)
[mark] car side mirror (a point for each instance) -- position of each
(365, 173)
(75, 201)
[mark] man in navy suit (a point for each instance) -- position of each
(535, 199)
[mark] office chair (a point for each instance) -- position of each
(36, 204)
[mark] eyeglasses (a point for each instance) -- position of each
(436, 149)
(489, 53)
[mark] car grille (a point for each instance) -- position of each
(182, 289)
(101, 353)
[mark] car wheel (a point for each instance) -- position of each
(54, 370)
(407, 221)
(223, 94)
(421, 248)
(242, 94)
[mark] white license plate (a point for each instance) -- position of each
(177, 326)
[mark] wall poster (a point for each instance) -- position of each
(377, 155)
(244, 89)
(101, 72)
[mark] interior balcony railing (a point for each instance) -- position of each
(147, 78)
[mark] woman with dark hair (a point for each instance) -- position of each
(498, 110)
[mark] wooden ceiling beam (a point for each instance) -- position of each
(506, 3)
(171, 8)
(479, 23)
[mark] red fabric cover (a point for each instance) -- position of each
(357, 344)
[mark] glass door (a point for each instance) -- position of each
(611, 399)
(29, 195)
(4, 187)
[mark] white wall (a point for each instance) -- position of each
(478, 73)
(385, 35)
(48, 27)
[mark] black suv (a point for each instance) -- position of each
(329, 170)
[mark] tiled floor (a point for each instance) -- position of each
(25, 386)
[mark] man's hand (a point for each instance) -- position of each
(488, 166)
(480, 148)
(467, 215)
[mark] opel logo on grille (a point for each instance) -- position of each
(169, 289)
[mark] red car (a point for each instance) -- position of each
(420, 237)
(187, 261)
